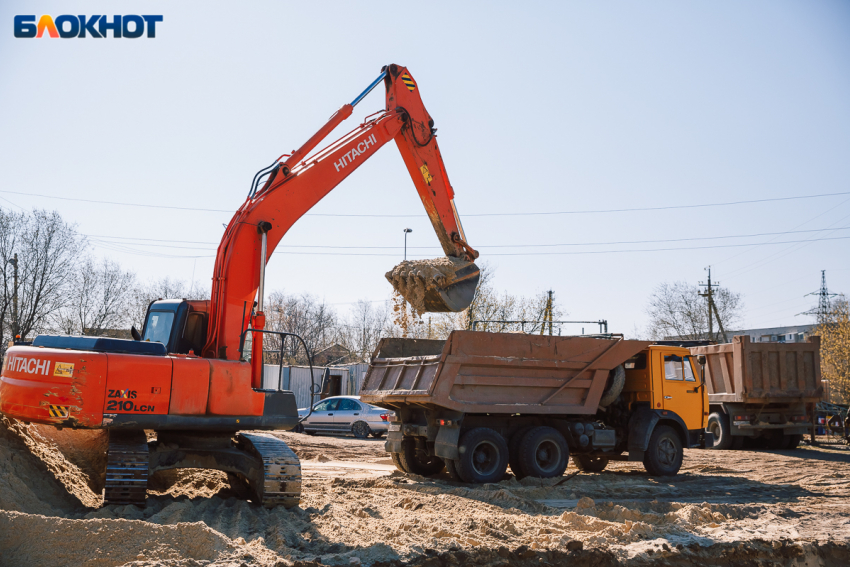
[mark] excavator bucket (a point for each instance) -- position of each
(437, 286)
(455, 296)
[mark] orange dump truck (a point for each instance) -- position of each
(478, 402)
(765, 392)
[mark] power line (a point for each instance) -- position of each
(514, 214)
(582, 252)
(101, 238)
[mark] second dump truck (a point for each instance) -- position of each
(762, 392)
(478, 402)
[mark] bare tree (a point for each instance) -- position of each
(491, 305)
(10, 230)
(164, 288)
(366, 324)
(304, 315)
(99, 299)
(49, 250)
(677, 310)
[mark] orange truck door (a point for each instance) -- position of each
(681, 390)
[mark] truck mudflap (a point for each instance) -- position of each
(642, 424)
(394, 438)
(446, 443)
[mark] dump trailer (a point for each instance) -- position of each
(478, 402)
(764, 392)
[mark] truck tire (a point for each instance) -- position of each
(718, 424)
(586, 463)
(664, 454)
(614, 386)
(483, 456)
(792, 441)
(414, 462)
(397, 462)
(451, 468)
(776, 440)
(544, 453)
(513, 451)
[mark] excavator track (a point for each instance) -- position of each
(281, 481)
(126, 468)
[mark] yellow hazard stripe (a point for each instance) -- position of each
(408, 81)
(58, 411)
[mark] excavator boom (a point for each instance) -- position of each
(295, 185)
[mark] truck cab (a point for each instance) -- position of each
(669, 381)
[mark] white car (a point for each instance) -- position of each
(345, 414)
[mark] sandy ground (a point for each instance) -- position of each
(725, 507)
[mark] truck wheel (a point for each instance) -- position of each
(397, 462)
(483, 456)
(718, 425)
(513, 451)
(451, 468)
(792, 441)
(776, 440)
(415, 462)
(586, 463)
(664, 455)
(361, 429)
(614, 386)
(543, 453)
(298, 428)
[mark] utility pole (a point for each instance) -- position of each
(547, 316)
(15, 326)
(824, 307)
(712, 307)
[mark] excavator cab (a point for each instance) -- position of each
(179, 324)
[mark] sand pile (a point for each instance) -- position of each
(413, 278)
(35, 476)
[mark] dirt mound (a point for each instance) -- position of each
(34, 475)
(28, 539)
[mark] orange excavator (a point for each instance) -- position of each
(185, 375)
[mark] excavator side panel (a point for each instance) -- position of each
(190, 387)
(230, 390)
(53, 386)
(137, 384)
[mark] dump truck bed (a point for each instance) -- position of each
(479, 372)
(743, 371)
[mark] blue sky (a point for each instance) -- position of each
(541, 107)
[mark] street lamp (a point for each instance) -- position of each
(406, 231)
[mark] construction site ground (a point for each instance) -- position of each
(725, 507)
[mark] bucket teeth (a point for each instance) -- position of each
(280, 484)
(126, 468)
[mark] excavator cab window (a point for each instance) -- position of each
(194, 334)
(166, 323)
(158, 327)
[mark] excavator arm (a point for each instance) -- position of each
(295, 185)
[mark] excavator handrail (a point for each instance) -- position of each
(283, 335)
